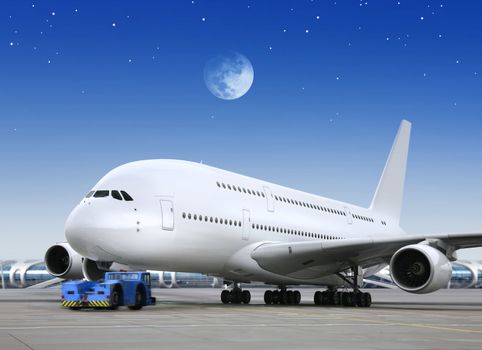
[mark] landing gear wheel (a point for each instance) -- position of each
(276, 297)
(367, 299)
(246, 296)
(296, 297)
(290, 296)
(346, 299)
(236, 296)
(268, 297)
(337, 298)
(317, 297)
(326, 298)
(225, 297)
(283, 298)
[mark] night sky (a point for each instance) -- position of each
(89, 85)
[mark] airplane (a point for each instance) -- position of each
(174, 215)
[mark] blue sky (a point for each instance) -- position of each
(87, 85)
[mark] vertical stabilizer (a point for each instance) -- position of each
(389, 194)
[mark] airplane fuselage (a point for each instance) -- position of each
(186, 216)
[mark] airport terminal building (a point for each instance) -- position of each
(27, 273)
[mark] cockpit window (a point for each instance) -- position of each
(101, 193)
(88, 195)
(126, 196)
(116, 195)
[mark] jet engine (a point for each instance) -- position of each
(95, 270)
(420, 269)
(62, 261)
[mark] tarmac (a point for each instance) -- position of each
(195, 319)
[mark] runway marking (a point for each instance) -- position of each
(21, 342)
(415, 325)
(365, 323)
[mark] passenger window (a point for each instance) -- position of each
(116, 195)
(126, 196)
(101, 193)
(88, 195)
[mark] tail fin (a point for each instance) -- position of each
(389, 194)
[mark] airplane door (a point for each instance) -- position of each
(246, 225)
(269, 198)
(349, 217)
(167, 211)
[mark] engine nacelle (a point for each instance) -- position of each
(62, 261)
(420, 269)
(95, 270)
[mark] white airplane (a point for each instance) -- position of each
(174, 215)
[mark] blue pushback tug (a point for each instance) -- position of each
(132, 289)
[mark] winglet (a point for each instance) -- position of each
(389, 194)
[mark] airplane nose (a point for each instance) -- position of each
(93, 230)
(78, 229)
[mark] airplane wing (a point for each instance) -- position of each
(309, 259)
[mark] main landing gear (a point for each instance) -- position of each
(282, 297)
(331, 297)
(235, 296)
(334, 297)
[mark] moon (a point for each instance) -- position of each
(229, 76)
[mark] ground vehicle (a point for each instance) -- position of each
(132, 289)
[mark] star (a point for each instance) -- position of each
(130, 60)
(457, 62)
(113, 24)
(203, 19)
(53, 13)
(337, 78)
(307, 31)
(317, 17)
(48, 62)
(11, 43)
